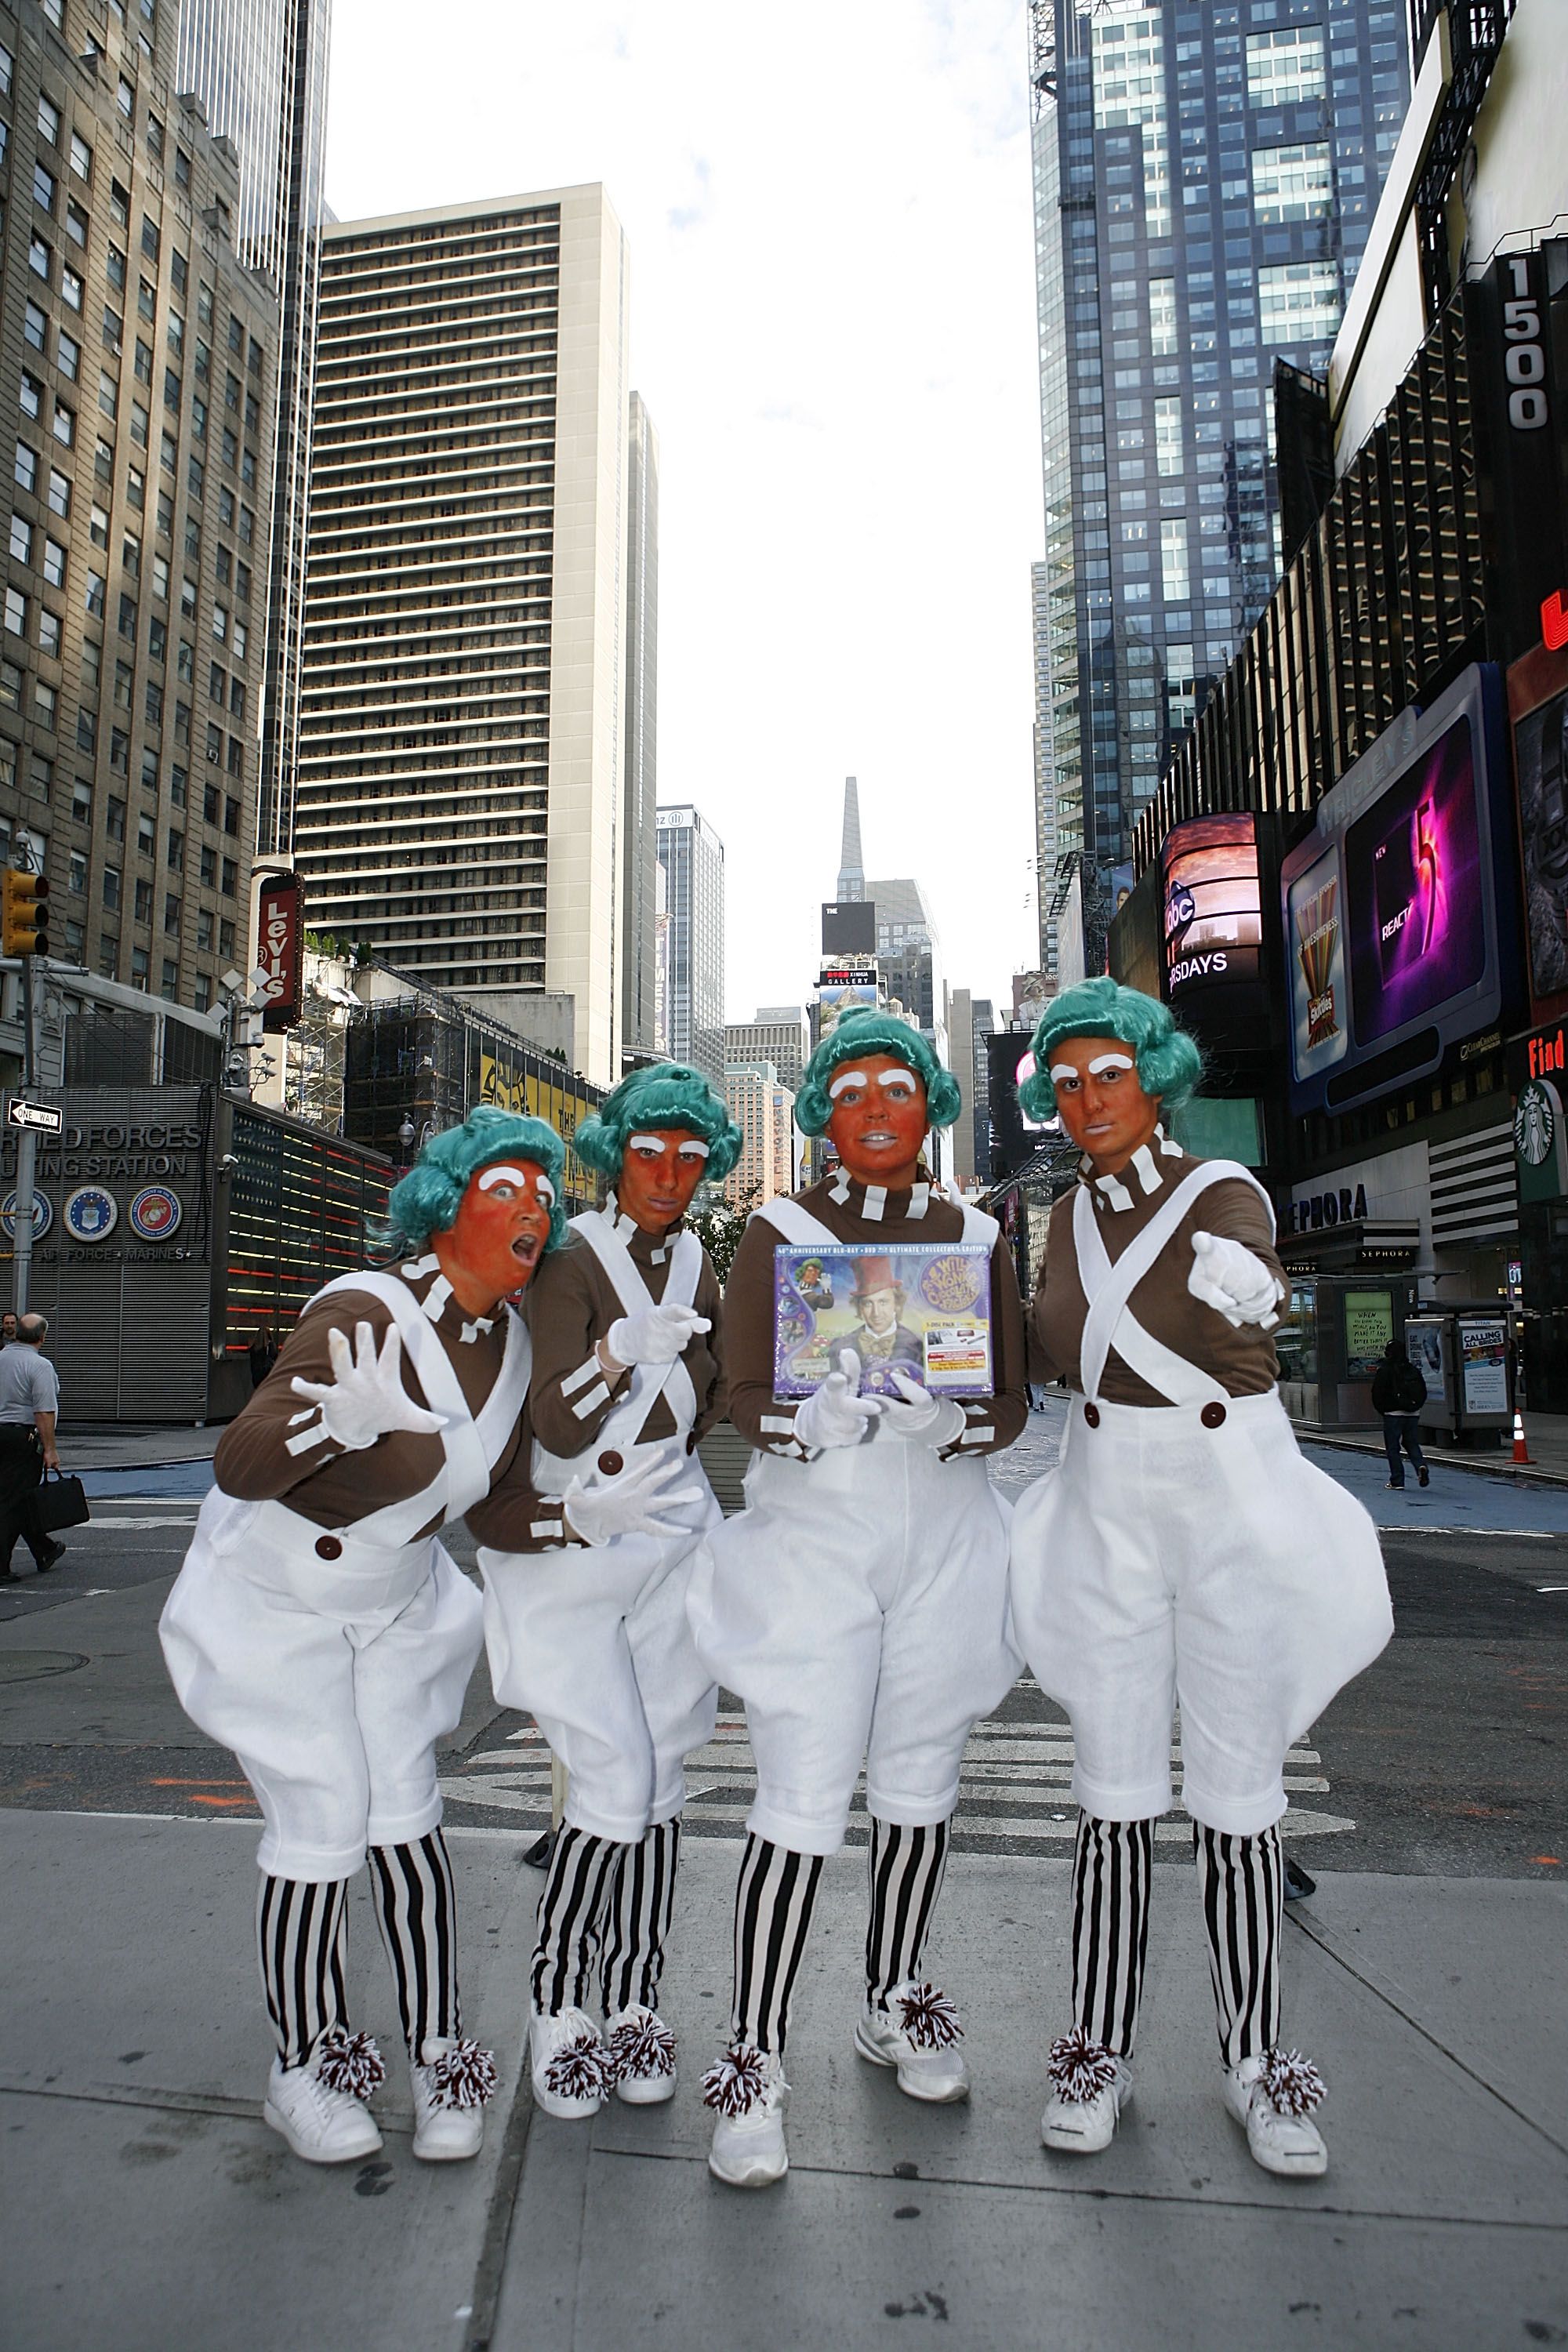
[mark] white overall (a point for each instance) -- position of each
(1186, 1554)
(592, 1641)
(859, 1607)
(332, 1677)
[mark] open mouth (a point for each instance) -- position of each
(526, 1248)
(877, 1138)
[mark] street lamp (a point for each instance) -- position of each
(405, 1138)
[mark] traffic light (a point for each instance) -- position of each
(23, 918)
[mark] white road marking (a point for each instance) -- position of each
(1021, 1765)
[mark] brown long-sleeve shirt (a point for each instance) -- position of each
(1241, 1359)
(767, 1423)
(259, 1456)
(570, 1307)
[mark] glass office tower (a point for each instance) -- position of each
(1204, 179)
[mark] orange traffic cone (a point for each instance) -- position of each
(1520, 1450)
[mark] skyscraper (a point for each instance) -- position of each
(638, 845)
(851, 872)
(139, 489)
(258, 68)
(692, 857)
(1204, 178)
(462, 769)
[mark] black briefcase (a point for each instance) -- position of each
(60, 1502)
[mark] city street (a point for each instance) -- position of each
(1430, 1803)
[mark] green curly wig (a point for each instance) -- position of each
(427, 1199)
(1169, 1063)
(664, 1095)
(874, 1033)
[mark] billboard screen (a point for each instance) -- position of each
(1213, 919)
(1391, 904)
(280, 938)
(1538, 706)
(1413, 890)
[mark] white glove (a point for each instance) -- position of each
(1226, 1277)
(630, 1505)
(654, 1335)
(936, 1419)
(367, 1399)
(837, 1414)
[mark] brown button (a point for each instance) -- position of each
(1092, 1414)
(611, 1463)
(329, 1548)
(1212, 1416)
(692, 1442)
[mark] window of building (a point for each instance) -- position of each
(48, 632)
(146, 836)
(21, 539)
(1175, 570)
(96, 588)
(15, 612)
(81, 802)
(59, 493)
(73, 289)
(64, 427)
(150, 238)
(135, 487)
(76, 223)
(1291, 184)
(112, 878)
(43, 185)
(32, 395)
(48, 121)
(116, 268)
(155, 137)
(172, 912)
(182, 168)
(82, 157)
(229, 879)
(146, 298)
(210, 868)
(40, 259)
(239, 640)
(125, 98)
(25, 469)
(46, 703)
(34, 327)
(1168, 447)
(160, 578)
(143, 362)
(68, 352)
(54, 564)
(1299, 301)
(10, 685)
(1287, 68)
(76, 874)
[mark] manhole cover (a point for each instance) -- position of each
(27, 1666)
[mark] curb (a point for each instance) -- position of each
(1531, 1477)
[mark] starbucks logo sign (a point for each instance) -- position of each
(1535, 1123)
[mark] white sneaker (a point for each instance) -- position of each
(322, 2124)
(450, 2089)
(572, 2071)
(918, 2032)
(1272, 2098)
(642, 2052)
(1089, 2089)
(748, 2091)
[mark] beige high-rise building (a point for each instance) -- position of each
(763, 1107)
(462, 748)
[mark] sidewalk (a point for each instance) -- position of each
(1546, 1436)
(147, 2205)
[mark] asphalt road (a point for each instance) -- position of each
(1449, 1757)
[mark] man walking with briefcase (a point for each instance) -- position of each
(29, 1400)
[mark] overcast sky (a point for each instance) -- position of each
(829, 214)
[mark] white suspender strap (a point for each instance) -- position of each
(796, 1224)
(1109, 1322)
(673, 1381)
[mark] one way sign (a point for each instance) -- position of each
(42, 1118)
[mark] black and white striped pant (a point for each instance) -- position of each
(775, 1899)
(1241, 1887)
(603, 1918)
(301, 1934)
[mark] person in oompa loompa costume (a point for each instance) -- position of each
(319, 1629)
(859, 1604)
(1184, 1553)
(626, 1379)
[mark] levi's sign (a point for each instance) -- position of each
(40, 1119)
(279, 922)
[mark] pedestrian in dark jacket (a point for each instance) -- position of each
(1398, 1393)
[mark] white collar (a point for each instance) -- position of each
(1144, 1166)
(434, 1302)
(874, 1199)
(471, 1331)
(1112, 1189)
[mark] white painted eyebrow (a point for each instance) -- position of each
(1060, 1070)
(898, 1072)
(1111, 1061)
(503, 1172)
(692, 1150)
(846, 1078)
(544, 1188)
